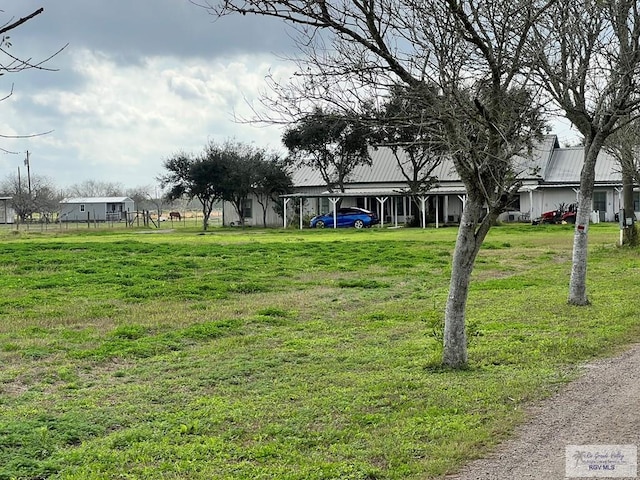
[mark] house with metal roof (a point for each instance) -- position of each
(560, 183)
(99, 209)
(550, 177)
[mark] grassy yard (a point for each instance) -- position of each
(285, 354)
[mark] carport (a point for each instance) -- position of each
(382, 197)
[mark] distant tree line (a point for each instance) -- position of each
(40, 199)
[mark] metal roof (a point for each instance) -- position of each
(97, 200)
(548, 165)
(566, 164)
(384, 167)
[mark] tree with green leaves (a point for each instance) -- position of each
(229, 171)
(195, 177)
(410, 129)
(331, 143)
(274, 179)
(242, 174)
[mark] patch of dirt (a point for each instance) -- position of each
(601, 407)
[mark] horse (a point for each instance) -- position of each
(173, 215)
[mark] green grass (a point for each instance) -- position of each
(285, 354)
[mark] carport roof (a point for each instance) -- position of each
(381, 192)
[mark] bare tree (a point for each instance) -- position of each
(95, 188)
(473, 51)
(43, 197)
(624, 146)
(588, 58)
(10, 63)
(147, 197)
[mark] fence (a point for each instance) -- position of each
(137, 219)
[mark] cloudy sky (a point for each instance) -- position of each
(139, 80)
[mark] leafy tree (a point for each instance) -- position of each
(411, 130)
(230, 171)
(242, 175)
(411, 127)
(472, 50)
(331, 143)
(273, 180)
(587, 55)
(195, 177)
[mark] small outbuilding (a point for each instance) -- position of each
(7, 214)
(99, 209)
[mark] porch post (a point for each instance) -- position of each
(437, 211)
(531, 205)
(284, 210)
(445, 208)
(423, 201)
(381, 201)
(334, 201)
(463, 199)
(395, 210)
(301, 204)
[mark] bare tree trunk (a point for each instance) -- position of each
(578, 281)
(467, 247)
(630, 232)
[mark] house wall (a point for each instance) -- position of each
(7, 214)
(230, 216)
(547, 199)
(71, 212)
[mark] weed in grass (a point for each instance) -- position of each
(247, 287)
(362, 283)
(274, 312)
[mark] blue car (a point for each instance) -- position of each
(346, 217)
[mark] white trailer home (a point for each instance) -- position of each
(99, 209)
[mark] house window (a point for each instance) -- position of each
(399, 205)
(636, 201)
(247, 208)
(82, 208)
(324, 205)
(600, 201)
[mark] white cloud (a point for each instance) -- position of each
(119, 122)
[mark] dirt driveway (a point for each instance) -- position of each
(602, 407)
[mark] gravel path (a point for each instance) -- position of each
(601, 407)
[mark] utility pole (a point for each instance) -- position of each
(26, 162)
